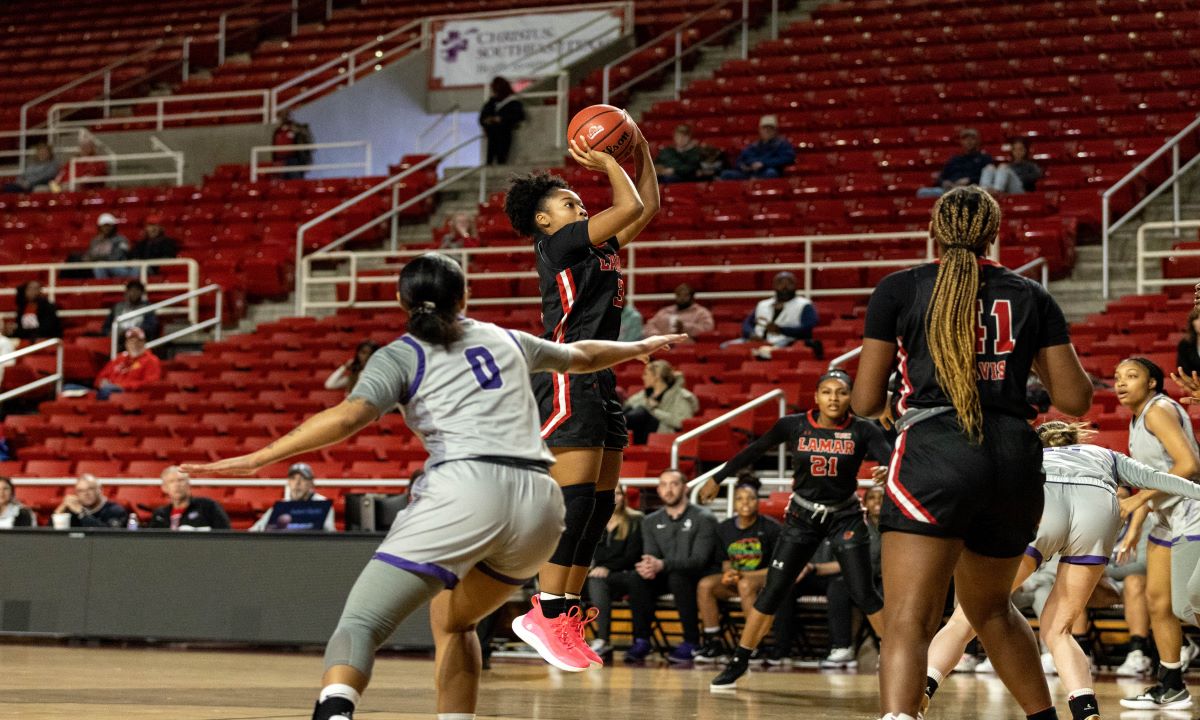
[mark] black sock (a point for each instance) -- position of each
(1085, 643)
(1170, 677)
(1138, 642)
(552, 608)
(569, 603)
(742, 655)
(1083, 706)
(332, 707)
(1048, 714)
(931, 686)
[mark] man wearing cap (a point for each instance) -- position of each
(135, 299)
(299, 488)
(765, 158)
(109, 245)
(963, 169)
(783, 319)
(131, 369)
(155, 242)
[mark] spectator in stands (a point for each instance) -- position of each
(131, 369)
(712, 163)
(613, 565)
(89, 508)
(39, 172)
(84, 168)
(782, 320)
(1187, 354)
(135, 299)
(765, 158)
(299, 489)
(346, 374)
(1018, 175)
(745, 544)
(37, 317)
(155, 243)
(662, 405)
(186, 511)
(963, 169)
(461, 232)
(873, 504)
(678, 543)
(291, 132)
(12, 512)
(499, 118)
(685, 316)
(631, 323)
(109, 245)
(679, 162)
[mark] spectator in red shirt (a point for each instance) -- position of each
(83, 168)
(290, 132)
(131, 369)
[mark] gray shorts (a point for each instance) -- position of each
(1179, 521)
(1079, 523)
(465, 514)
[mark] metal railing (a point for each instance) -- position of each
(53, 275)
(449, 116)
(113, 162)
(195, 326)
(261, 112)
(695, 485)
(257, 169)
(1144, 283)
(56, 378)
(1172, 183)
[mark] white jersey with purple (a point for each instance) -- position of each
(1176, 519)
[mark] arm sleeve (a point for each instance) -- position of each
(1054, 329)
(649, 539)
(1140, 475)
(878, 447)
(384, 381)
(683, 406)
(543, 355)
(701, 552)
(883, 311)
(778, 433)
(748, 325)
(632, 552)
(565, 247)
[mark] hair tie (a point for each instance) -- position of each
(423, 307)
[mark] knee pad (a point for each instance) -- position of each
(579, 500)
(594, 530)
(773, 594)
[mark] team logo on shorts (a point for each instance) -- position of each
(848, 534)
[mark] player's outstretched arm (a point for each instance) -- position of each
(645, 177)
(588, 356)
(325, 428)
(626, 207)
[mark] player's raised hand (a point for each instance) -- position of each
(241, 466)
(655, 343)
(1190, 384)
(589, 158)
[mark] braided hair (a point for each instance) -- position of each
(965, 222)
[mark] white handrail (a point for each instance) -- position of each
(53, 271)
(1171, 182)
(195, 326)
(364, 165)
(160, 117)
(695, 485)
(1144, 283)
(176, 158)
(844, 358)
(56, 378)
(1038, 262)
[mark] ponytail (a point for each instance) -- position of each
(432, 287)
(965, 222)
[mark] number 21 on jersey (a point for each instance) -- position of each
(995, 325)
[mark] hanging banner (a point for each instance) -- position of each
(471, 51)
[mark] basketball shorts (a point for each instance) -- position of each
(989, 495)
(1079, 523)
(1177, 522)
(468, 514)
(580, 410)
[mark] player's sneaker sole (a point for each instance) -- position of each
(534, 641)
(1167, 703)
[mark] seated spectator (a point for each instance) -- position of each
(186, 511)
(461, 233)
(1187, 354)
(109, 246)
(155, 243)
(346, 374)
(39, 172)
(84, 168)
(89, 508)
(745, 544)
(963, 169)
(12, 512)
(135, 299)
(765, 158)
(783, 319)
(631, 323)
(662, 405)
(678, 541)
(299, 488)
(37, 317)
(1019, 175)
(712, 163)
(131, 369)
(685, 316)
(679, 162)
(616, 557)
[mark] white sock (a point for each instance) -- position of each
(340, 690)
(550, 596)
(901, 716)
(456, 716)
(712, 630)
(933, 673)
(1170, 665)
(1081, 691)
(569, 596)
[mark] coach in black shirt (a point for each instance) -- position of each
(186, 512)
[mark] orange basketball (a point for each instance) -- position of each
(604, 128)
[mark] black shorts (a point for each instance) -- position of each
(989, 495)
(580, 410)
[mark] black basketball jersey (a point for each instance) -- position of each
(825, 461)
(582, 288)
(1016, 318)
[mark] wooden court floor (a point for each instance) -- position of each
(52, 682)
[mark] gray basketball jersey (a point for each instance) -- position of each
(1101, 467)
(1144, 446)
(471, 400)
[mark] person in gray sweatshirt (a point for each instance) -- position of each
(38, 172)
(679, 540)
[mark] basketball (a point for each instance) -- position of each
(604, 128)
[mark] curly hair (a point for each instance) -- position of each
(525, 196)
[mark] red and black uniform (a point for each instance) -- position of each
(825, 464)
(582, 296)
(939, 482)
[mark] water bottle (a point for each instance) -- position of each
(133, 522)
